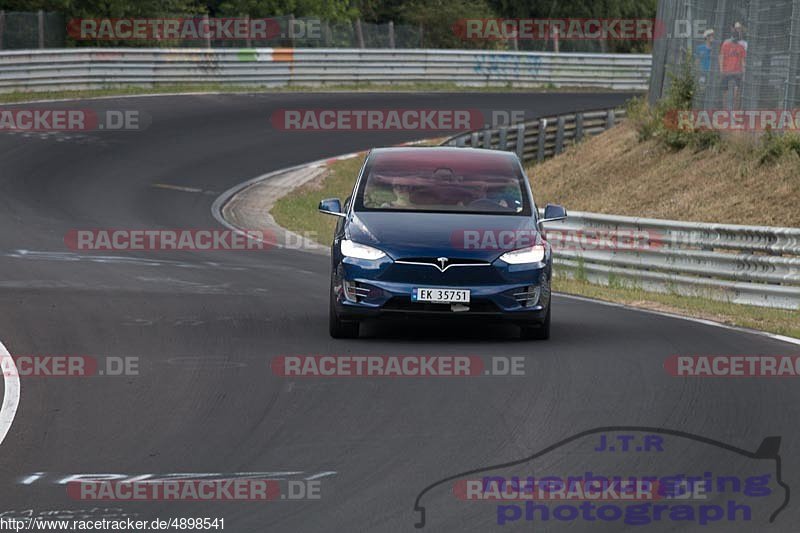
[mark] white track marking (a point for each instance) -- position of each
(11, 393)
(177, 188)
(121, 96)
(256, 91)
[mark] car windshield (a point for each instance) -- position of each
(452, 181)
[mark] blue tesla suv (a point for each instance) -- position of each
(440, 232)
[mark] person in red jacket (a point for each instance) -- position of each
(732, 60)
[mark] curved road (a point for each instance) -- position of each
(205, 326)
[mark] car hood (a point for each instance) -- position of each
(405, 235)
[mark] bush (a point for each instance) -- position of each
(774, 146)
(644, 120)
(660, 122)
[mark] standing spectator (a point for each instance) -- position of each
(703, 55)
(732, 58)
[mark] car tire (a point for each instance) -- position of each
(340, 329)
(540, 332)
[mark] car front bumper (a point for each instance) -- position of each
(364, 293)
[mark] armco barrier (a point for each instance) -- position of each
(742, 264)
(542, 138)
(95, 68)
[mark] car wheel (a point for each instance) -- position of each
(539, 332)
(340, 329)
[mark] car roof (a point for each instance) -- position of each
(444, 155)
(412, 150)
(465, 159)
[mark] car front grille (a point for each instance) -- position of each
(434, 262)
(426, 271)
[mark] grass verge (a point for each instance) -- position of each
(26, 96)
(298, 212)
(780, 321)
(615, 173)
(658, 166)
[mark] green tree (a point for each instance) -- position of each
(108, 8)
(610, 9)
(332, 10)
(437, 19)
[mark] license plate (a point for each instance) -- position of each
(444, 296)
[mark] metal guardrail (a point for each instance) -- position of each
(741, 264)
(539, 139)
(95, 68)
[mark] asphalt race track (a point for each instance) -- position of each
(205, 326)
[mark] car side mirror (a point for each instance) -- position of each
(331, 206)
(553, 213)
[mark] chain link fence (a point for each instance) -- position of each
(768, 31)
(19, 31)
(301, 32)
(37, 30)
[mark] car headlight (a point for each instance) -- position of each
(533, 254)
(361, 251)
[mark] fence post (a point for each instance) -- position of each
(501, 143)
(541, 139)
(521, 141)
(326, 31)
(290, 30)
(487, 139)
(249, 41)
(208, 34)
(391, 34)
(610, 119)
(473, 139)
(659, 60)
(689, 20)
(794, 48)
(560, 135)
(359, 34)
(2, 26)
(750, 91)
(578, 127)
(41, 29)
